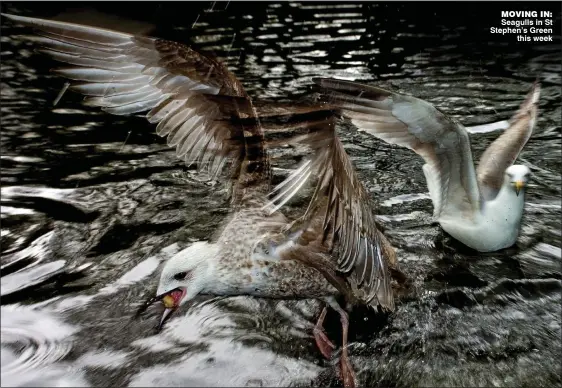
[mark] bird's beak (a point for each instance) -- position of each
(171, 300)
(518, 186)
(165, 316)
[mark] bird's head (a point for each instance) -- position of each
(183, 277)
(517, 177)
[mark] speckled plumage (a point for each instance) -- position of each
(206, 115)
(247, 259)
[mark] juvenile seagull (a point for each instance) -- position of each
(481, 208)
(333, 249)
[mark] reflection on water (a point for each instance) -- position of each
(237, 349)
(92, 204)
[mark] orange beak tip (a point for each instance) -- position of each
(518, 186)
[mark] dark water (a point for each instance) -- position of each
(92, 204)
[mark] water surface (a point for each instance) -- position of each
(92, 204)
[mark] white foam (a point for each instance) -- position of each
(405, 198)
(13, 211)
(490, 127)
(28, 191)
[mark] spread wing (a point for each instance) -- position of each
(339, 215)
(125, 74)
(416, 124)
(506, 148)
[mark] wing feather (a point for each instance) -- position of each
(503, 152)
(126, 74)
(416, 124)
(342, 207)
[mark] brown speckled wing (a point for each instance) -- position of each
(126, 74)
(506, 148)
(339, 215)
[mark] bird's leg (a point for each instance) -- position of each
(322, 341)
(347, 374)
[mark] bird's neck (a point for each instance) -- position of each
(507, 193)
(508, 205)
(226, 278)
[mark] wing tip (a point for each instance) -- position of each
(335, 83)
(345, 89)
(535, 92)
(9, 16)
(530, 103)
(383, 300)
(25, 20)
(320, 81)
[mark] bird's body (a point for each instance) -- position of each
(246, 261)
(482, 207)
(495, 227)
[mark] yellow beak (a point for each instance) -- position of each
(518, 186)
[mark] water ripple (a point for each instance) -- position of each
(31, 342)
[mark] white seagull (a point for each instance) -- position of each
(481, 208)
(334, 249)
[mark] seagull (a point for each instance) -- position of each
(481, 208)
(334, 249)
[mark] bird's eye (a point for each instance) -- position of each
(181, 275)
